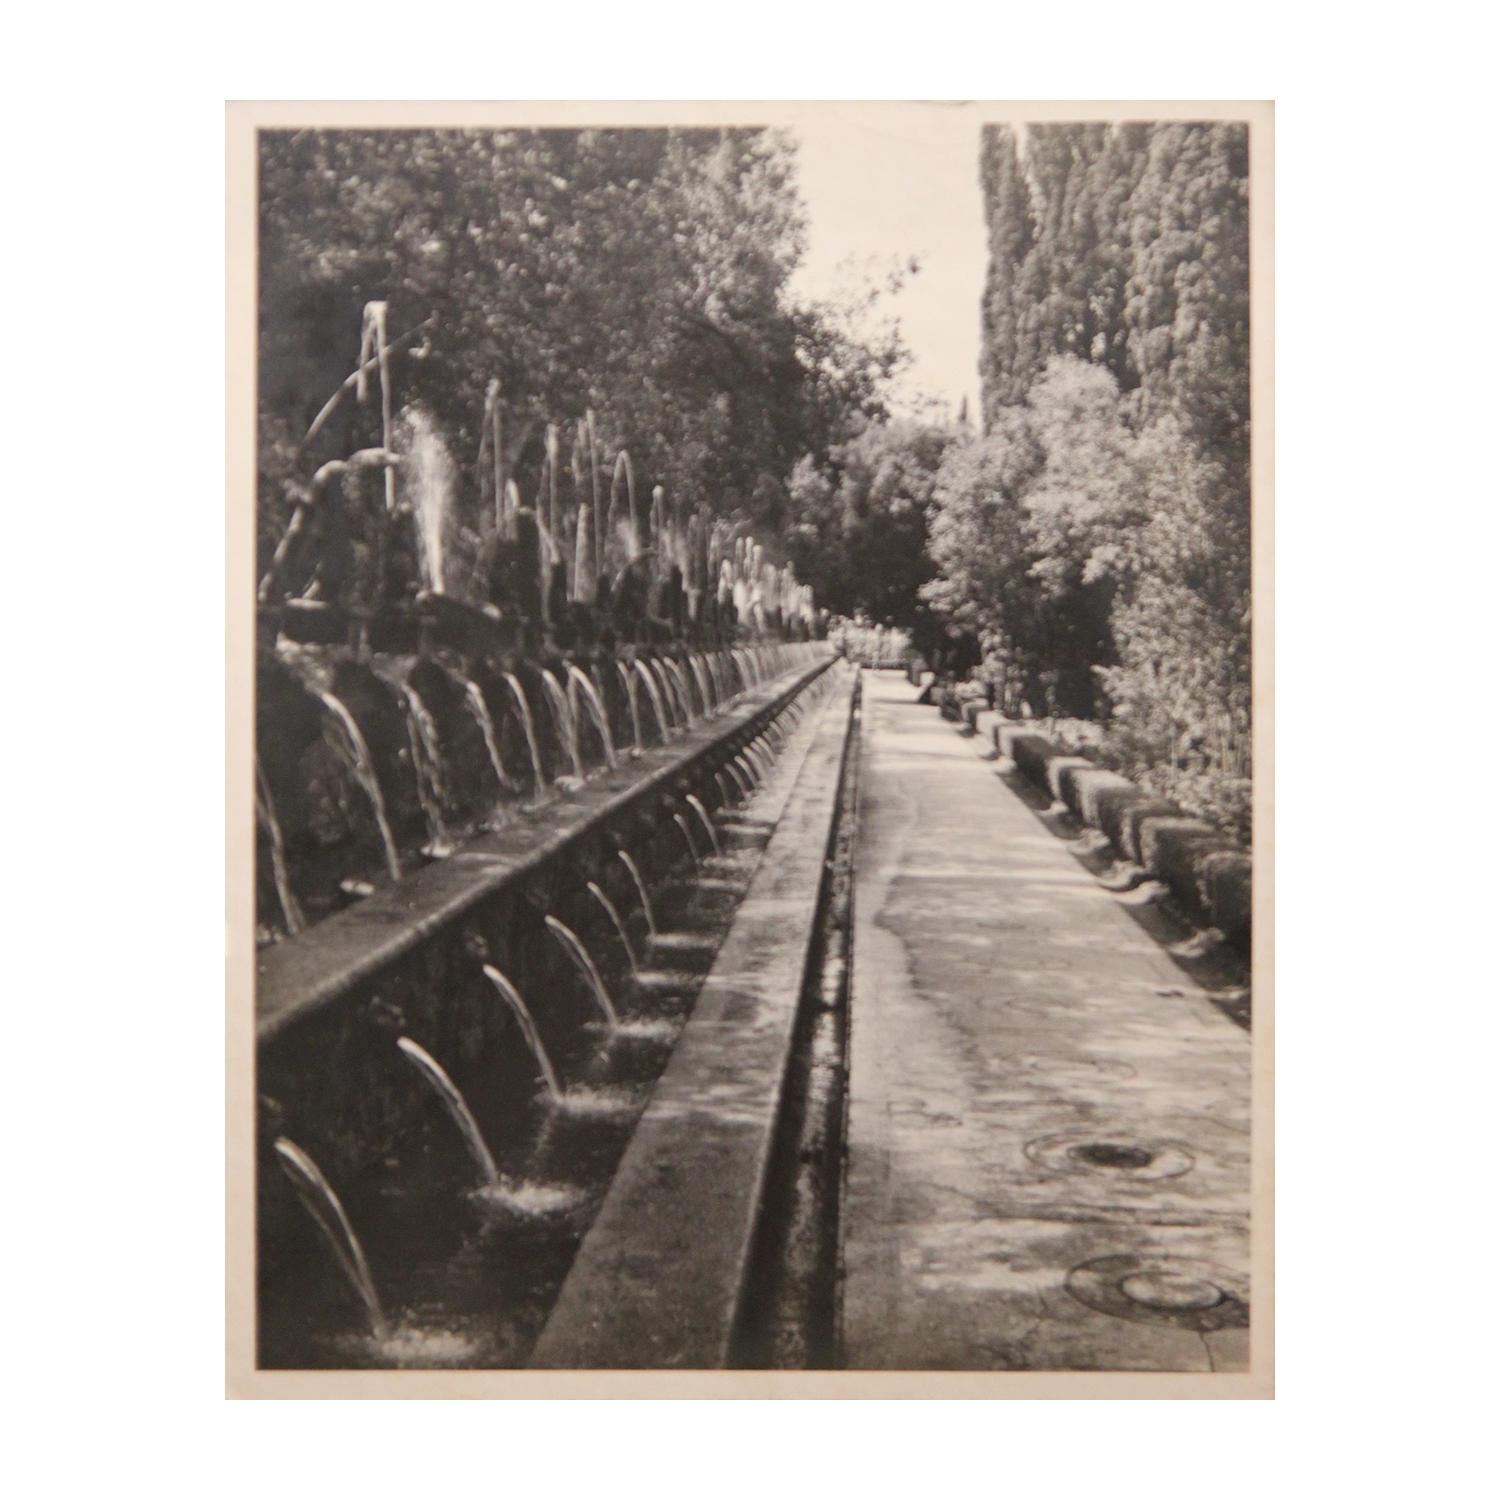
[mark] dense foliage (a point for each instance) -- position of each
(639, 273)
(859, 520)
(1096, 537)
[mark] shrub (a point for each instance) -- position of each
(1170, 850)
(1225, 889)
(1058, 767)
(1088, 789)
(1031, 752)
(1133, 816)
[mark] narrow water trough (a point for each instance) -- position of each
(716, 1243)
(452, 1074)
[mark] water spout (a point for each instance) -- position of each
(427, 766)
(430, 470)
(705, 820)
(674, 675)
(512, 997)
(687, 833)
(529, 725)
(281, 873)
(328, 1214)
(562, 716)
(573, 946)
(612, 912)
(596, 709)
(700, 676)
(453, 1101)
(654, 693)
(640, 889)
(630, 694)
(479, 709)
(664, 687)
(357, 753)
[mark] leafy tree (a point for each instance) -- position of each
(1116, 338)
(859, 528)
(641, 274)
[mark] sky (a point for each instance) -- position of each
(884, 182)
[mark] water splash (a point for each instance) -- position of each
(527, 1022)
(562, 716)
(573, 946)
(596, 709)
(630, 695)
(619, 923)
(281, 874)
(640, 890)
(687, 834)
(597, 1102)
(357, 753)
(453, 1101)
(328, 1214)
(654, 693)
(431, 479)
(529, 1200)
(523, 706)
(706, 821)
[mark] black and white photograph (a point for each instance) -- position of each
(759, 846)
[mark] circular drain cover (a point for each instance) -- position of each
(1086, 1151)
(1162, 1289)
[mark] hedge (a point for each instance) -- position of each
(1224, 886)
(1131, 819)
(1031, 752)
(1086, 789)
(1171, 849)
(1058, 767)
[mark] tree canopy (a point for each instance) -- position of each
(641, 274)
(1096, 536)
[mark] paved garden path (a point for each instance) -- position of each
(1049, 1122)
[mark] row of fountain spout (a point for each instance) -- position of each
(671, 696)
(737, 782)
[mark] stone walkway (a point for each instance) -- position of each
(1049, 1138)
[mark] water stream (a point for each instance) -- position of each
(519, 1009)
(630, 695)
(357, 754)
(562, 717)
(427, 766)
(640, 890)
(596, 708)
(280, 872)
(453, 1101)
(706, 821)
(687, 834)
(322, 1203)
(613, 913)
(654, 693)
(523, 707)
(573, 946)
